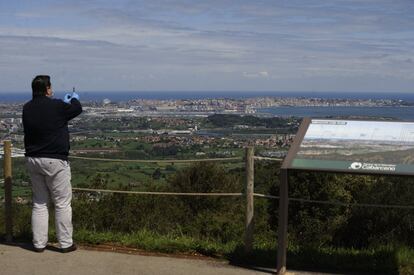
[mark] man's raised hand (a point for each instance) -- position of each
(67, 98)
(75, 95)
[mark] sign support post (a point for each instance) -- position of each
(282, 239)
(283, 222)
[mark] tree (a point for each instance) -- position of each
(217, 217)
(156, 175)
(99, 181)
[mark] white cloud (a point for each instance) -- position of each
(262, 74)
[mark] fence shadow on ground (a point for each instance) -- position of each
(322, 260)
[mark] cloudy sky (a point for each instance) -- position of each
(191, 45)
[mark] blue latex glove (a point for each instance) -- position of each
(75, 95)
(67, 98)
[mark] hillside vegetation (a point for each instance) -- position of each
(356, 239)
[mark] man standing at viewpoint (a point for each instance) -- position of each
(46, 140)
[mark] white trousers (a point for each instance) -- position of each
(51, 179)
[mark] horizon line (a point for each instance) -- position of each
(215, 91)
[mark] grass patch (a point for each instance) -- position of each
(154, 242)
(405, 259)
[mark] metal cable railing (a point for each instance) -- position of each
(259, 158)
(160, 160)
(154, 193)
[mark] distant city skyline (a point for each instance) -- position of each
(215, 45)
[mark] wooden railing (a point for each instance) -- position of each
(8, 190)
(249, 193)
(249, 187)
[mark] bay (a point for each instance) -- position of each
(399, 113)
(116, 96)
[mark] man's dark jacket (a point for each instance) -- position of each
(45, 123)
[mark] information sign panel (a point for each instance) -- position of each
(352, 146)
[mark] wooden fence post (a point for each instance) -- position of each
(248, 238)
(8, 190)
(283, 222)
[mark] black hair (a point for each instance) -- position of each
(40, 84)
